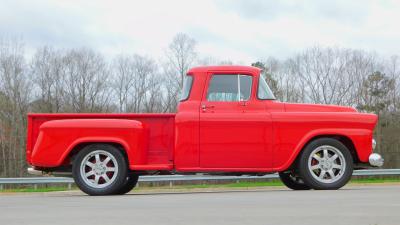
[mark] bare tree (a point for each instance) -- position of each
(86, 81)
(144, 72)
(122, 80)
(14, 100)
(155, 95)
(329, 75)
(392, 69)
(181, 55)
(282, 81)
(46, 68)
(82, 80)
(135, 83)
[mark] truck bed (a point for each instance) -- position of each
(159, 129)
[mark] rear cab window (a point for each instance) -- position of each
(187, 86)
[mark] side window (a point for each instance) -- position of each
(229, 88)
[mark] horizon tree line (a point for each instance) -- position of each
(83, 80)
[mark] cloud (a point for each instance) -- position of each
(236, 30)
(340, 10)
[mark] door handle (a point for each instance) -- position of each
(205, 107)
(242, 103)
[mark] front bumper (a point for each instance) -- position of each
(376, 160)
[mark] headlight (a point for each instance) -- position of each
(373, 144)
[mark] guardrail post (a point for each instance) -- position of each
(1, 187)
(35, 186)
(69, 186)
(170, 184)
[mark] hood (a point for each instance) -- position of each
(294, 107)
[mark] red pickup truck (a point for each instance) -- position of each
(228, 122)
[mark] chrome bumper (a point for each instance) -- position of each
(376, 160)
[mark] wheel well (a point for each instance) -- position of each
(69, 159)
(346, 141)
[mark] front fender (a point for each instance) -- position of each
(361, 139)
(57, 138)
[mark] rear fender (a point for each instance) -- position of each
(58, 138)
(92, 140)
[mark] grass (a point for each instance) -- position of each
(375, 180)
(274, 183)
(47, 189)
(243, 184)
(232, 185)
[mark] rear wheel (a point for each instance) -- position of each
(100, 169)
(293, 181)
(325, 164)
(130, 183)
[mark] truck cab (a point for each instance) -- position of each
(228, 122)
(223, 112)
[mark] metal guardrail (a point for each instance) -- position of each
(173, 178)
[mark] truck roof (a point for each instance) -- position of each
(229, 68)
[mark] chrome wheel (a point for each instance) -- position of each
(99, 169)
(326, 164)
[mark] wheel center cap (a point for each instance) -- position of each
(99, 169)
(326, 165)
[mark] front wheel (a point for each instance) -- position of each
(293, 181)
(325, 164)
(100, 169)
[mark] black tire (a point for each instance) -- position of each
(312, 180)
(130, 183)
(115, 185)
(293, 181)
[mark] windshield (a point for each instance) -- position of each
(264, 92)
(187, 85)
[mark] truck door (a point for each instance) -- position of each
(235, 129)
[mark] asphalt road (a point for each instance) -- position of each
(349, 206)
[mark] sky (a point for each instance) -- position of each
(236, 30)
